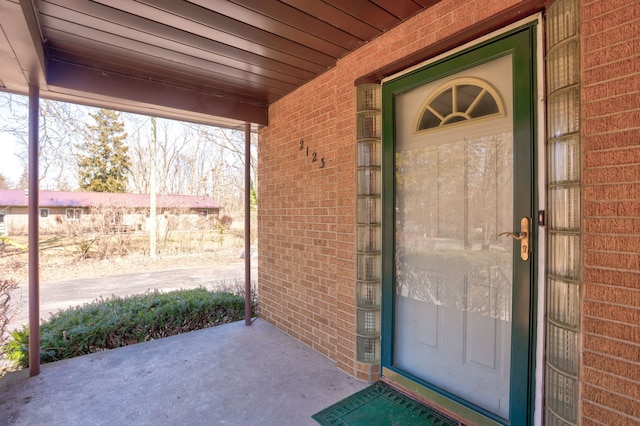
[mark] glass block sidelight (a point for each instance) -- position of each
(563, 66)
(368, 98)
(563, 157)
(564, 255)
(368, 322)
(369, 266)
(563, 17)
(563, 302)
(369, 238)
(369, 153)
(368, 181)
(564, 240)
(368, 293)
(563, 348)
(563, 112)
(564, 207)
(368, 349)
(369, 125)
(551, 420)
(368, 210)
(561, 398)
(368, 218)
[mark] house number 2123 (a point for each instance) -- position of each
(314, 155)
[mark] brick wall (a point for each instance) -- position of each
(611, 210)
(306, 218)
(306, 215)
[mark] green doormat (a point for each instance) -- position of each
(380, 405)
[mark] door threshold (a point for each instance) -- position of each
(434, 400)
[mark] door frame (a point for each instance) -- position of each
(521, 40)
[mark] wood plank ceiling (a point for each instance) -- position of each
(204, 60)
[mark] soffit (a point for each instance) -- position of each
(217, 61)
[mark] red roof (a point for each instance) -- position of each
(18, 197)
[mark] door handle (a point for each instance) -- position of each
(515, 235)
(522, 236)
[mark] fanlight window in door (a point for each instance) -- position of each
(459, 100)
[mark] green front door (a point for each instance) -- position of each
(458, 201)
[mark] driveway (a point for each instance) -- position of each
(58, 295)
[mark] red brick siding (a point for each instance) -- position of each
(306, 224)
(306, 218)
(611, 210)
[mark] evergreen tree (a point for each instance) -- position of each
(104, 162)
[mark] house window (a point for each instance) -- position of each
(2, 216)
(203, 213)
(73, 214)
(113, 217)
(44, 212)
(460, 100)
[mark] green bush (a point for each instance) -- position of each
(17, 348)
(115, 322)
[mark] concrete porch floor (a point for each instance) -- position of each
(225, 375)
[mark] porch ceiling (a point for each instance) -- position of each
(219, 62)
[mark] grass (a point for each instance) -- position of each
(96, 245)
(65, 256)
(115, 322)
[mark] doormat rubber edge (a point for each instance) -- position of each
(363, 408)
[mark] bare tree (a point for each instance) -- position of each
(61, 128)
(192, 160)
(175, 166)
(228, 177)
(139, 152)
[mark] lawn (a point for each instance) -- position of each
(92, 254)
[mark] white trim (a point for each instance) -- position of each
(537, 17)
(541, 145)
(451, 84)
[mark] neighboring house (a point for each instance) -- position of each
(3, 223)
(63, 212)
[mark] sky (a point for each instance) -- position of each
(178, 137)
(10, 165)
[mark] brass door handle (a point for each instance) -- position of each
(515, 235)
(522, 236)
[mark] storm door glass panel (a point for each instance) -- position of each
(453, 195)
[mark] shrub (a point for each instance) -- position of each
(115, 322)
(17, 348)
(226, 222)
(6, 287)
(6, 311)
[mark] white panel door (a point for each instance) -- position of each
(454, 185)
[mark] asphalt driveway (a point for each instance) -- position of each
(58, 295)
